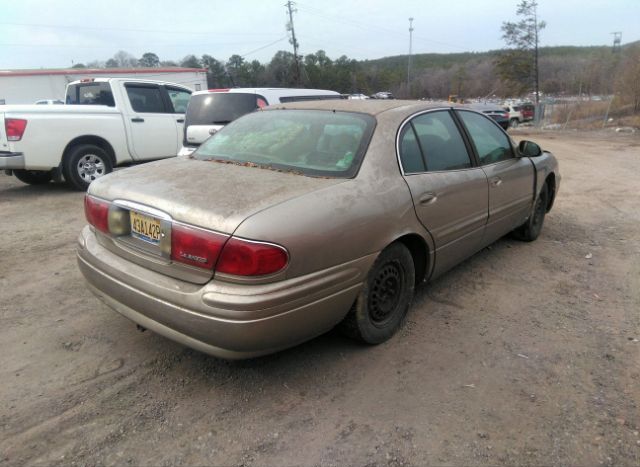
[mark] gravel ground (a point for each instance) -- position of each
(526, 354)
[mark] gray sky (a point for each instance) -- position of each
(81, 31)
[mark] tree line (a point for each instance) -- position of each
(563, 71)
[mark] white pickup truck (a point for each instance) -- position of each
(104, 123)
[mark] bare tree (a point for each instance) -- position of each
(519, 64)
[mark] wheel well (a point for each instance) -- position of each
(418, 249)
(550, 181)
(96, 141)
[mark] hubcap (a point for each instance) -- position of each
(386, 293)
(90, 167)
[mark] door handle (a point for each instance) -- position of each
(137, 119)
(428, 198)
(496, 181)
(180, 120)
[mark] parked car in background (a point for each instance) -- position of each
(358, 96)
(383, 95)
(49, 102)
(106, 122)
(520, 113)
(302, 216)
(496, 112)
(209, 111)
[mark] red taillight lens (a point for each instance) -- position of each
(246, 258)
(196, 247)
(97, 213)
(14, 128)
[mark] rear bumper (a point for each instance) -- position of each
(230, 321)
(11, 160)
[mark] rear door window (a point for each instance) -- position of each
(90, 93)
(441, 142)
(145, 98)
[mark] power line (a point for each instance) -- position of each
(264, 47)
(164, 31)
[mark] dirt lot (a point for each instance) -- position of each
(526, 354)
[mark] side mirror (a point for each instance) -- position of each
(529, 149)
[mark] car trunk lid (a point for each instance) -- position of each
(210, 195)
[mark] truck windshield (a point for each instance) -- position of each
(310, 142)
(90, 94)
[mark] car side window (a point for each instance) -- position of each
(410, 154)
(179, 99)
(147, 99)
(491, 143)
(441, 142)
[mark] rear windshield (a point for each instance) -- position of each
(219, 108)
(90, 94)
(311, 142)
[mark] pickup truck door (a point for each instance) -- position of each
(511, 178)
(151, 123)
(449, 191)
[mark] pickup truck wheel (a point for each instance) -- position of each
(384, 299)
(513, 123)
(33, 177)
(84, 164)
(530, 230)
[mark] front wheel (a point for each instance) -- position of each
(385, 297)
(33, 177)
(84, 164)
(531, 229)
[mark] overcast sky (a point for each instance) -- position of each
(48, 34)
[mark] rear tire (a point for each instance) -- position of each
(84, 164)
(531, 229)
(513, 123)
(384, 299)
(33, 177)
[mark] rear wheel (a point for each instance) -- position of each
(33, 177)
(531, 229)
(84, 164)
(513, 123)
(385, 297)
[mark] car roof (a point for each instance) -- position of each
(285, 91)
(368, 106)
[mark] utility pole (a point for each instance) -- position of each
(410, 50)
(535, 19)
(293, 41)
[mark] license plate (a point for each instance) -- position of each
(145, 228)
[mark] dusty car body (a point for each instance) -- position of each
(343, 245)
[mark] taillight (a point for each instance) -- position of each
(247, 258)
(194, 246)
(14, 127)
(97, 213)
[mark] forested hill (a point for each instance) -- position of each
(563, 70)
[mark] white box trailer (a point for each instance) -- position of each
(29, 86)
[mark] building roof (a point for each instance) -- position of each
(98, 71)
